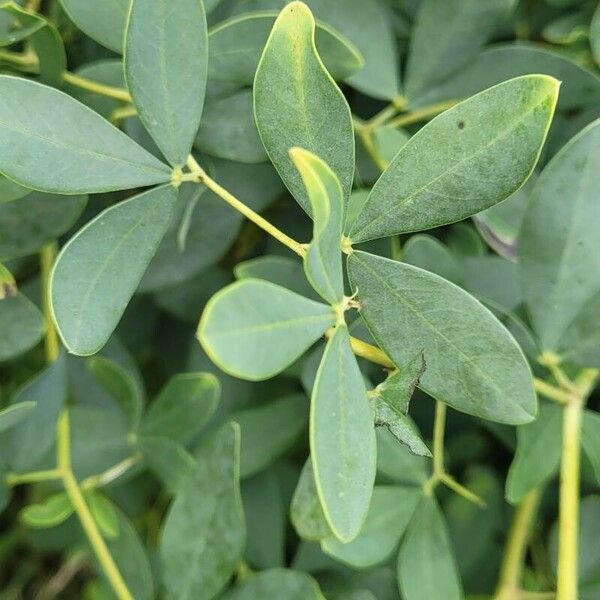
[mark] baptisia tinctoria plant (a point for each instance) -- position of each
(347, 314)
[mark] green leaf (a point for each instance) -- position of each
(228, 129)
(389, 514)
(253, 329)
(369, 25)
(31, 222)
(35, 435)
(426, 567)
(559, 245)
(9, 190)
(399, 386)
(183, 406)
(22, 326)
(448, 36)
(235, 46)
(169, 98)
(342, 438)
(276, 583)
(427, 252)
(45, 41)
(169, 461)
(103, 20)
(52, 143)
(595, 35)
(397, 464)
(323, 260)
(51, 512)
(409, 310)
(132, 559)
(8, 285)
(283, 419)
(306, 512)
(104, 513)
(463, 161)
(97, 272)
(293, 96)
(209, 505)
(120, 386)
(401, 426)
(590, 439)
(12, 415)
(538, 453)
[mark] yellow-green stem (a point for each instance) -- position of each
(98, 88)
(511, 571)
(551, 392)
(439, 428)
(83, 512)
(261, 222)
(51, 343)
(422, 114)
(33, 477)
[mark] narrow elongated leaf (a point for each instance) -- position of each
(183, 406)
(466, 26)
(120, 386)
(389, 514)
(235, 47)
(465, 160)
(254, 329)
(342, 439)
(590, 439)
(409, 310)
(53, 511)
(98, 271)
(203, 535)
(52, 143)
(277, 583)
(426, 567)
(166, 62)
(284, 419)
(33, 437)
(323, 260)
(103, 20)
(538, 453)
(294, 96)
(306, 512)
(13, 415)
(22, 326)
(560, 247)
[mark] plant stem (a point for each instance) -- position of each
(551, 392)
(511, 571)
(439, 428)
(114, 472)
(98, 88)
(83, 512)
(371, 353)
(33, 477)
(261, 222)
(422, 114)
(47, 258)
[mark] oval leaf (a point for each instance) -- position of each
(294, 96)
(254, 329)
(465, 160)
(21, 324)
(409, 310)
(99, 269)
(52, 143)
(53, 511)
(342, 438)
(277, 583)
(166, 63)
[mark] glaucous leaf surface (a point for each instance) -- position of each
(204, 533)
(53, 143)
(33, 437)
(342, 438)
(306, 512)
(276, 583)
(426, 566)
(183, 406)
(99, 269)
(228, 129)
(166, 64)
(294, 96)
(269, 430)
(22, 326)
(427, 252)
(9, 190)
(463, 161)
(14, 414)
(538, 452)
(32, 221)
(254, 329)
(389, 513)
(559, 243)
(401, 426)
(467, 24)
(485, 375)
(323, 260)
(103, 20)
(235, 47)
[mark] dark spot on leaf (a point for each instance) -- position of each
(8, 291)
(461, 124)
